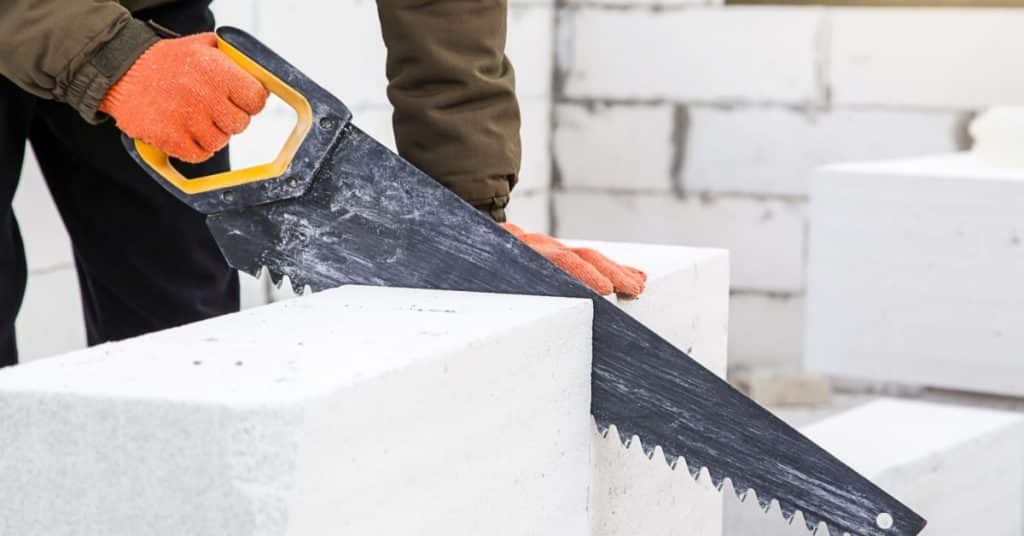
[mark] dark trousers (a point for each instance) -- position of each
(145, 261)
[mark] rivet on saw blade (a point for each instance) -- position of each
(293, 183)
(228, 196)
(327, 123)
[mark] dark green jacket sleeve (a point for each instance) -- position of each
(453, 89)
(69, 50)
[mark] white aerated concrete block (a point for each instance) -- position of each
(765, 330)
(915, 273)
(936, 58)
(686, 297)
(743, 53)
(765, 237)
(960, 468)
(615, 147)
(355, 411)
(773, 150)
(686, 302)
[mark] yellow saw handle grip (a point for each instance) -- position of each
(160, 163)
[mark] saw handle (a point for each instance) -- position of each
(160, 163)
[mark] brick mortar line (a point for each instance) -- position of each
(704, 196)
(823, 58)
(778, 295)
(680, 137)
(557, 85)
(658, 8)
(740, 105)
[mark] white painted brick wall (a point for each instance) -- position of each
(467, 414)
(530, 47)
(615, 147)
(773, 150)
(765, 237)
(915, 273)
(740, 53)
(937, 58)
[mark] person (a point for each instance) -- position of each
(144, 260)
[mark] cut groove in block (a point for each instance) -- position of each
(356, 411)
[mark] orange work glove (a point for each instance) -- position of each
(600, 273)
(185, 97)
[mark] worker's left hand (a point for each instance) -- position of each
(598, 272)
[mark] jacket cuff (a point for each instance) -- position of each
(489, 195)
(109, 63)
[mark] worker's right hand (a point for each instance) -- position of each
(185, 97)
(598, 272)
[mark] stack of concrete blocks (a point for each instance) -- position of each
(684, 121)
(449, 413)
(961, 468)
(915, 273)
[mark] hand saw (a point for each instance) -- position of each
(336, 207)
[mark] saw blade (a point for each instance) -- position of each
(371, 218)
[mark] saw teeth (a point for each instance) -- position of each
(742, 491)
(275, 278)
